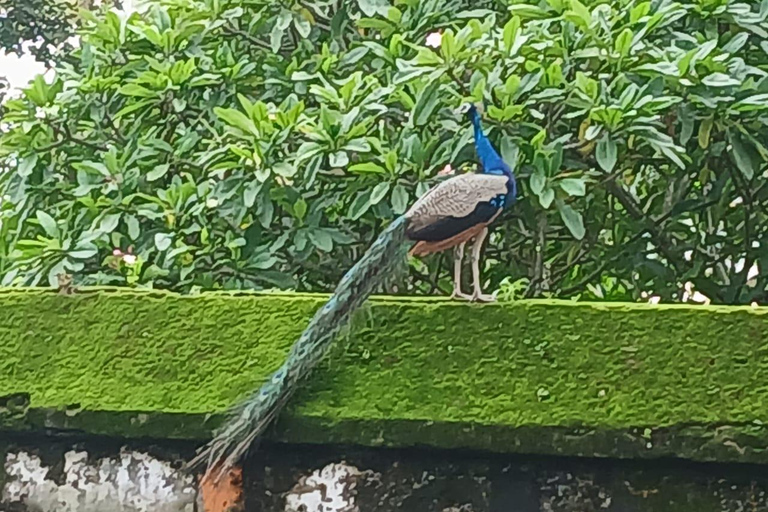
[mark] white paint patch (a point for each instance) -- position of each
(133, 482)
(331, 489)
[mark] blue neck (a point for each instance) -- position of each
(491, 160)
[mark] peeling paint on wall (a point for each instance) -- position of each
(330, 489)
(132, 482)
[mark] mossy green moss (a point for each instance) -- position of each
(536, 376)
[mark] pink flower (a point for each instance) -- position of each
(434, 39)
(446, 171)
(117, 252)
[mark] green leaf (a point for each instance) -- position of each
(302, 25)
(158, 172)
(26, 165)
(426, 103)
(136, 90)
(373, 7)
(736, 43)
(391, 161)
(133, 226)
(250, 192)
(624, 42)
(302, 76)
(82, 254)
(704, 132)
(285, 169)
(448, 45)
(510, 31)
(365, 167)
(321, 240)
(538, 180)
(109, 222)
(720, 80)
(581, 15)
(546, 198)
(639, 11)
(266, 210)
(573, 186)
(163, 241)
(360, 205)
(133, 107)
(300, 209)
(38, 91)
(399, 199)
(509, 152)
(308, 150)
(573, 220)
(48, 224)
(338, 159)
(360, 144)
(606, 153)
(278, 30)
(378, 193)
(92, 168)
(237, 119)
(744, 155)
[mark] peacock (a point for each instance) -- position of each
(451, 214)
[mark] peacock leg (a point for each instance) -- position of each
(458, 255)
(478, 294)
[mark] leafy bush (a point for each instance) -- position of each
(40, 26)
(232, 144)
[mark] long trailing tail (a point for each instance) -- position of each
(248, 421)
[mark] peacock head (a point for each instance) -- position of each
(469, 109)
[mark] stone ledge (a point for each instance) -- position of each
(549, 377)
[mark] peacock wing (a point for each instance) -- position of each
(456, 197)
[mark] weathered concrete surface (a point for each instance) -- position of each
(441, 481)
(106, 476)
(42, 478)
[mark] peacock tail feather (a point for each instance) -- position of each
(246, 422)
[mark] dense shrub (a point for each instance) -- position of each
(255, 144)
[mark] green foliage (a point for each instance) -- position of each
(40, 26)
(234, 145)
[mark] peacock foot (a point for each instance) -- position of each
(483, 297)
(458, 294)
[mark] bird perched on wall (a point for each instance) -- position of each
(461, 208)
(448, 216)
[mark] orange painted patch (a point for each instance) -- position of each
(222, 493)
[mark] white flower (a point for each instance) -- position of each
(434, 39)
(654, 300)
(211, 202)
(129, 259)
(446, 171)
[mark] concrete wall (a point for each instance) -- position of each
(46, 475)
(497, 398)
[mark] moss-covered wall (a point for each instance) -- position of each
(536, 377)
